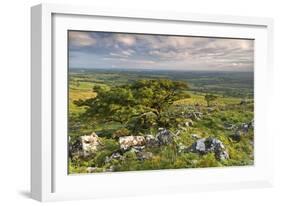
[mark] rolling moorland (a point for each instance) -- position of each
(127, 120)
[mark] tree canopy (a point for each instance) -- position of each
(143, 100)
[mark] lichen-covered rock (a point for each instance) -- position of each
(128, 142)
(90, 144)
(210, 144)
(164, 136)
(151, 141)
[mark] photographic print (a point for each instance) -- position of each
(153, 102)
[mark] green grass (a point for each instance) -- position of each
(225, 109)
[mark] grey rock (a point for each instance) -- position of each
(210, 144)
(151, 141)
(75, 149)
(236, 136)
(164, 136)
(115, 155)
(244, 127)
(251, 124)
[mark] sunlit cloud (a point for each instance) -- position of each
(103, 49)
(81, 39)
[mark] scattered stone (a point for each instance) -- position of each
(195, 136)
(236, 136)
(110, 169)
(151, 141)
(241, 129)
(91, 169)
(210, 144)
(182, 148)
(90, 144)
(128, 142)
(229, 126)
(164, 136)
(195, 115)
(188, 123)
(115, 155)
(144, 155)
(75, 149)
(252, 124)
(244, 127)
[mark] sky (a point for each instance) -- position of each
(144, 51)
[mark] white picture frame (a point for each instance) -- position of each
(49, 178)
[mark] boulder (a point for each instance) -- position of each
(128, 142)
(164, 136)
(236, 136)
(90, 144)
(210, 144)
(151, 141)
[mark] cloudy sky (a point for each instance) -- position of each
(118, 50)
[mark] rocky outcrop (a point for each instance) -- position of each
(84, 146)
(240, 130)
(207, 145)
(90, 144)
(128, 142)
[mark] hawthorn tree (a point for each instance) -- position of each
(142, 102)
